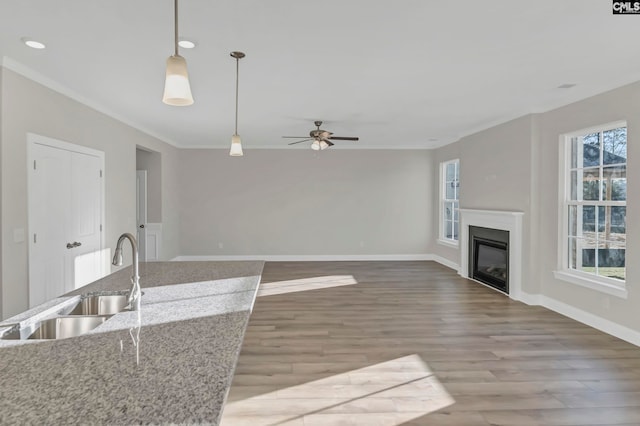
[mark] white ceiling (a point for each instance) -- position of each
(398, 74)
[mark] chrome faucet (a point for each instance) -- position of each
(135, 294)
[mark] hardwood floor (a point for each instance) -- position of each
(412, 343)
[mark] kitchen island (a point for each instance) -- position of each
(171, 362)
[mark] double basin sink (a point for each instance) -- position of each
(71, 321)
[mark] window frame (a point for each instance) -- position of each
(442, 239)
(599, 283)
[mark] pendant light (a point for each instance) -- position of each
(236, 143)
(177, 90)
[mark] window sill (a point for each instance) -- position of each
(592, 283)
(448, 243)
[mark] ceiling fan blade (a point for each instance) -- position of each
(304, 140)
(341, 138)
(294, 137)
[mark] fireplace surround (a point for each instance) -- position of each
(510, 221)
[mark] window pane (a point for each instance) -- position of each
(455, 230)
(573, 220)
(572, 253)
(615, 146)
(586, 254)
(618, 220)
(574, 185)
(611, 260)
(614, 183)
(590, 150)
(455, 211)
(448, 229)
(448, 211)
(591, 184)
(450, 191)
(451, 172)
(588, 219)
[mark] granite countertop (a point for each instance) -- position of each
(171, 362)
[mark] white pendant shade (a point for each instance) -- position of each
(323, 145)
(236, 146)
(315, 146)
(177, 90)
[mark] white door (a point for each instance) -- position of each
(141, 213)
(49, 204)
(65, 216)
(86, 214)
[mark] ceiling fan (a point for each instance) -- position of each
(321, 138)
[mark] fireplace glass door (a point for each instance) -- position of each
(490, 263)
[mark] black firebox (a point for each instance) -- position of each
(489, 257)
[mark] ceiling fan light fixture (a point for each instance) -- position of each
(323, 145)
(315, 146)
(177, 90)
(236, 146)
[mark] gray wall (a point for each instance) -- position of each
(514, 166)
(32, 108)
(297, 202)
(152, 162)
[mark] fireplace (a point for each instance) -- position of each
(509, 222)
(489, 257)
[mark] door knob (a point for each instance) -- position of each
(70, 246)
(141, 226)
(76, 244)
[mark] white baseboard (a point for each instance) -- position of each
(310, 258)
(445, 262)
(592, 320)
(530, 299)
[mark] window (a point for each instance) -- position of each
(595, 204)
(450, 187)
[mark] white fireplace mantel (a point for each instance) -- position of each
(495, 219)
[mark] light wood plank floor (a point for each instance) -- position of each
(412, 343)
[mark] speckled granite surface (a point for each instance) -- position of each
(172, 363)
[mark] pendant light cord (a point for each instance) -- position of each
(237, 79)
(175, 15)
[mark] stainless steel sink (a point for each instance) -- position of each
(100, 305)
(59, 327)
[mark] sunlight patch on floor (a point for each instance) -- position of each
(304, 284)
(389, 393)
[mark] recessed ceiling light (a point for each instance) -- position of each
(33, 43)
(566, 86)
(186, 44)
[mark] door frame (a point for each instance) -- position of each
(34, 139)
(141, 176)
